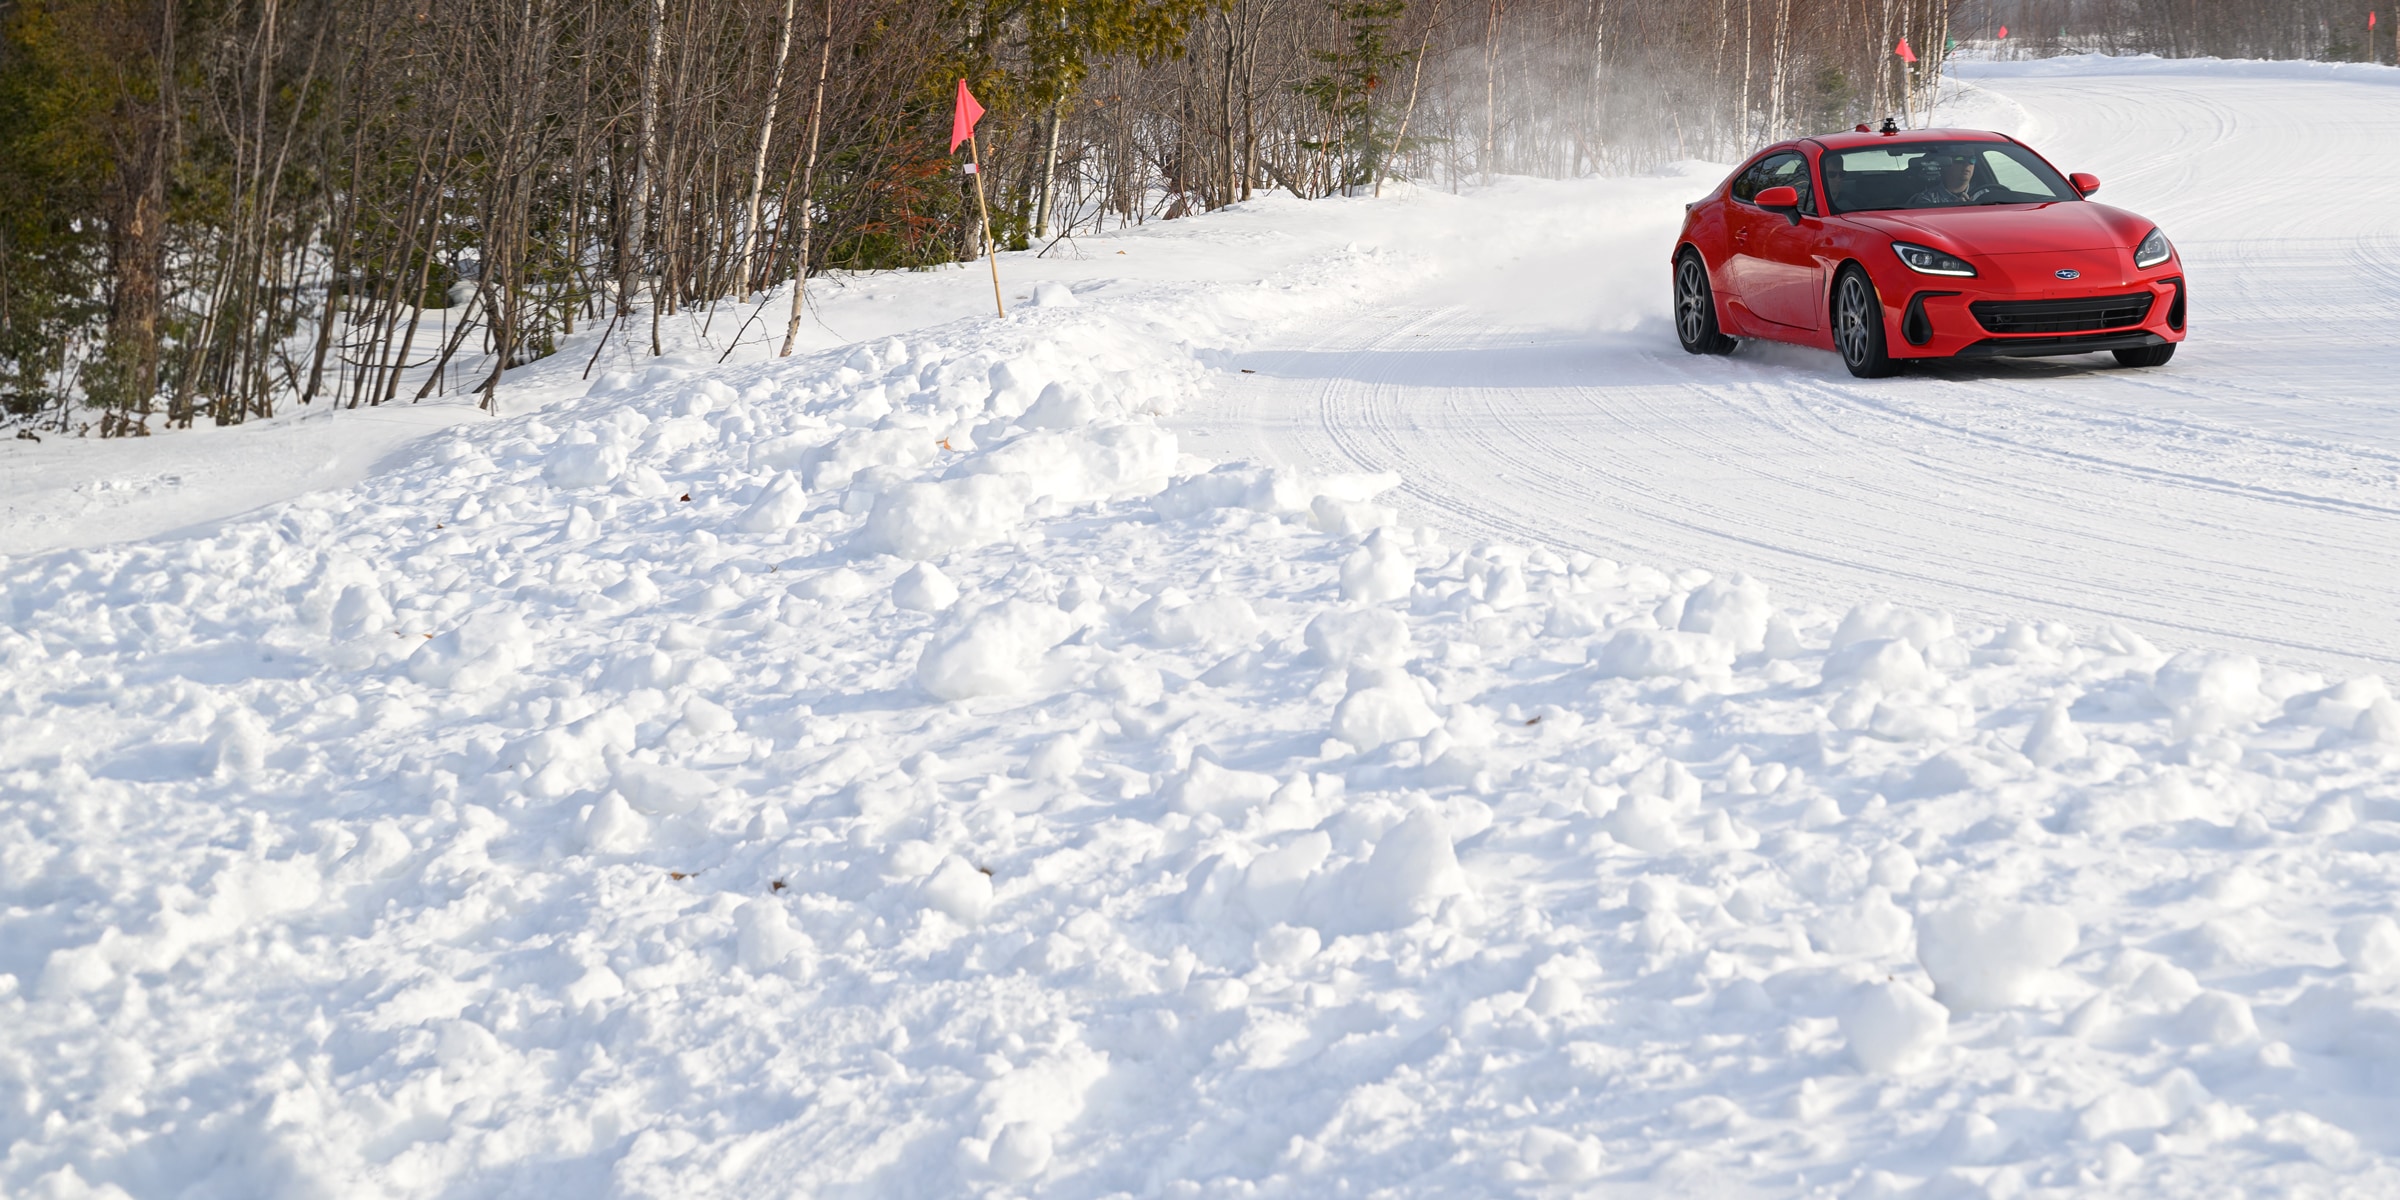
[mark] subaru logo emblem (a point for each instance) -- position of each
(2068, 273)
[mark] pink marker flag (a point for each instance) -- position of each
(2004, 31)
(2370, 18)
(963, 117)
(1906, 55)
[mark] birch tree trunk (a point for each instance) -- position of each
(645, 154)
(1491, 72)
(1049, 181)
(758, 165)
(808, 183)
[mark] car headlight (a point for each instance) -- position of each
(1925, 260)
(2153, 250)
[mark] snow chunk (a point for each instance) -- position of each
(485, 649)
(1055, 760)
(2054, 738)
(2134, 1108)
(1377, 716)
(840, 583)
(1893, 1027)
(612, 827)
(362, 610)
(1052, 294)
(1287, 946)
(1233, 485)
(1645, 653)
(2217, 1019)
(1207, 786)
(2378, 723)
(928, 520)
(1083, 466)
(1172, 619)
(1878, 620)
(1378, 571)
(994, 651)
(598, 985)
(764, 937)
(584, 464)
(958, 889)
(1983, 957)
(237, 745)
(1368, 638)
(1273, 883)
(2370, 945)
(1734, 609)
(923, 588)
(2209, 692)
(1413, 869)
(1349, 518)
(1558, 1157)
(661, 787)
(1060, 408)
(836, 463)
(1893, 664)
(1872, 926)
(776, 508)
(1022, 1150)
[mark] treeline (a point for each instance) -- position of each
(217, 209)
(2334, 30)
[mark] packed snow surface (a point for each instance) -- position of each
(905, 770)
(2242, 497)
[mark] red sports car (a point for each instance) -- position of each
(1940, 243)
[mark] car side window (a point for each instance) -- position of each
(2011, 174)
(1788, 169)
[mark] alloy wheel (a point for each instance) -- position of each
(1850, 326)
(1691, 299)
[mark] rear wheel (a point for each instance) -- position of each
(2146, 356)
(1858, 326)
(1696, 309)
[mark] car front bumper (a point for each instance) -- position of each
(1937, 319)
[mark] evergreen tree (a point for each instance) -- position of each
(1349, 90)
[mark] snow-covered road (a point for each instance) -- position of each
(2244, 496)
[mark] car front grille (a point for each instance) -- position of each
(2080, 315)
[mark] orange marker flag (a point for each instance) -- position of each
(1906, 55)
(962, 129)
(963, 117)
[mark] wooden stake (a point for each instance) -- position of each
(991, 252)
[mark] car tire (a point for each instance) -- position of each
(2145, 356)
(1696, 308)
(1858, 325)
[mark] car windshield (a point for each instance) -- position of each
(1939, 175)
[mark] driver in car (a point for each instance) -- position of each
(1956, 184)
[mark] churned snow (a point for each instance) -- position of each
(901, 770)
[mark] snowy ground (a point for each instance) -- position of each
(2244, 496)
(903, 770)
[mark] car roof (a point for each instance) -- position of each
(1852, 140)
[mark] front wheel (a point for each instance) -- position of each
(1696, 309)
(1858, 326)
(2145, 356)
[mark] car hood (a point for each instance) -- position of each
(2012, 228)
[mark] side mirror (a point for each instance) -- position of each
(2085, 182)
(1785, 200)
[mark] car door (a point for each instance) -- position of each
(1774, 263)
